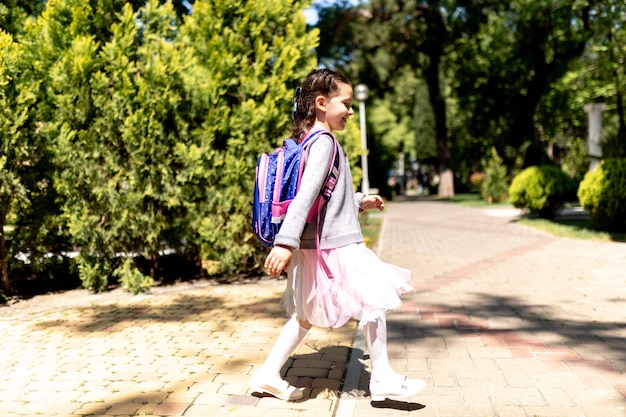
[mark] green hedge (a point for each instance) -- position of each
(603, 193)
(130, 133)
(542, 190)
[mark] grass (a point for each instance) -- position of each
(370, 226)
(574, 228)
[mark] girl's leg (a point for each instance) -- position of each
(267, 379)
(384, 382)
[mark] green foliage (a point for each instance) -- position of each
(494, 185)
(389, 45)
(512, 60)
(93, 271)
(11, 187)
(23, 178)
(154, 126)
(501, 68)
(13, 13)
(131, 278)
(118, 116)
(542, 190)
(250, 56)
(576, 161)
(603, 193)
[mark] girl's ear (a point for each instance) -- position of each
(320, 102)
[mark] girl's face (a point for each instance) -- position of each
(338, 108)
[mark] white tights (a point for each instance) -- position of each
(290, 337)
(293, 333)
(376, 339)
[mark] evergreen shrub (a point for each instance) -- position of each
(603, 193)
(494, 185)
(154, 125)
(542, 190)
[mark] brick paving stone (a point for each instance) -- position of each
(202, 410)
(505, 310)
(554, 411)
(171, 408)
(153, 361)
(506, 321)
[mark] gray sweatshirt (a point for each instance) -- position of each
(339, 218)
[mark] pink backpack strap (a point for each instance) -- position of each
(320, 258)
(324, 196)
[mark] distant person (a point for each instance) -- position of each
(362, 287)
(422, 180)
(433, 180)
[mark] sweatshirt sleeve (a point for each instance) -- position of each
(313, 178)
(358, 199)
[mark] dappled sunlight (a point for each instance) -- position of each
(184, 349)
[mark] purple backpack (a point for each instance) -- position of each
(278, 176)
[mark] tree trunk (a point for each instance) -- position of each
(446, 184)
(446, 176)
(433, 48)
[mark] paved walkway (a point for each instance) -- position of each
(506, 321)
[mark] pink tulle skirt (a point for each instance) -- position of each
(362, 286)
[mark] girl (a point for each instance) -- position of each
(362, 287)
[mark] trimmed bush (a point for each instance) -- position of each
(603, 193)
(542, 190)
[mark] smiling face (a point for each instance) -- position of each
(334, 112)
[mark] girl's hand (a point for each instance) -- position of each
(371, 202)
(278, 260)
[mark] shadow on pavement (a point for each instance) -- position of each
(397, 405)
(176, 398)
(186, 349)
(474, 320)
(184, 308)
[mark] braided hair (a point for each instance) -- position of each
(319, 82)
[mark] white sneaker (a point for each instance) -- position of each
(277, 387)
(398, 390)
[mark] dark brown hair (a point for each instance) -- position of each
(320, 82)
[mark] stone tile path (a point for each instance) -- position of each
(506, 321)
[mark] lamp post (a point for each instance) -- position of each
(594, 111)
(361, 92)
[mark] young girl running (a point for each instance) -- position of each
(363, 287)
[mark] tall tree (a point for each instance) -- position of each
(512, 62)
(108, 87)
(493, 61)
(389, 36)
